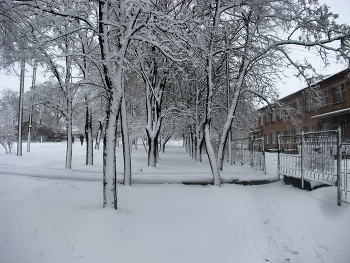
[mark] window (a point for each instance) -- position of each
(279, 133)
(298, 131)
(267, 138)
(324, 126)
(340, 94)
(288, 133)
(323, 98)
(298, 107)
(343, 129)
(273, 116)
(309, 129)
(309, 103)
(267, 120)
(261, 120)
(280, 114)
(273, 138)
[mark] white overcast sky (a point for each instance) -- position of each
(290, 85)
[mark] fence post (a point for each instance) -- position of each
(302, 156)
(339, 159)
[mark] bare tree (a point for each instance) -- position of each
(8, 113)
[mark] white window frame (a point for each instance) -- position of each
(267, 138)
(273, 138)
(299, 107)
(324, 126)
(288, 133)
(309, 129)
(324, 98)
(273, 116)
(309, 105)
(340, 94)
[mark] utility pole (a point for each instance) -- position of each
(20, 115)
(31, 107)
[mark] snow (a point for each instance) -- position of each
(49, 214)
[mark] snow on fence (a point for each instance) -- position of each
(316, 157)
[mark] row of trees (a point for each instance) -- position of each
(197, 66)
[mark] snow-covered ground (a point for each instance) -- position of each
(49, 214)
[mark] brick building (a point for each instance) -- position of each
(325, 105)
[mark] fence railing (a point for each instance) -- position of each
(249, 151)
(316, 157)
(241, 151)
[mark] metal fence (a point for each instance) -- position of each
(241, 151)
(317, 157)
(249, 151)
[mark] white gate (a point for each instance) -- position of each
(315, 157)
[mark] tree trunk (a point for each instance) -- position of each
(201, 150)
(135, 143)
(112, 71)
(230, 146)
(109, 152)
(126, 144)
(69, 134)
(211, 155)
(199, 147)
(225, 132)
(88, 135)
(164, 143)
(4, 144)
(152, 150)
(231, 113)
(185, 143)
(99, 136)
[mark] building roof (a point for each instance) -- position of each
(315, 83)
(331, 113)
(303, 89)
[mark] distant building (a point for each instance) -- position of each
(324, 105)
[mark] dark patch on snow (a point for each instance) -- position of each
(308, 185)
(234, 181)
(255, 182)
(198, 183)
